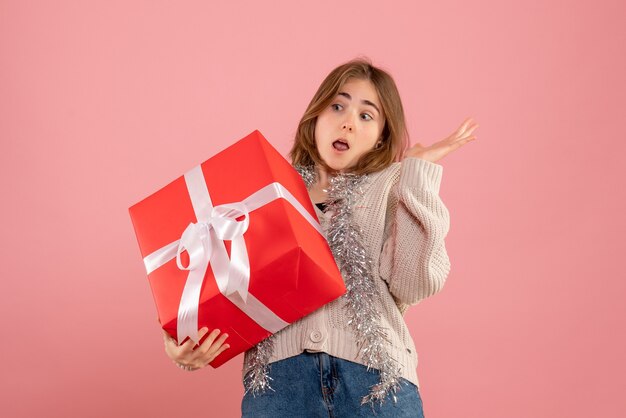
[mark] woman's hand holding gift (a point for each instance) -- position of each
(188, 358)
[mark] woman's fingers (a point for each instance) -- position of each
(171, 347)
(466, 123)
(467, 135)
(170, 343)
(470, 129)
(467, 127)
(212, 348)
(462, 135)
(218, 352)
(185, 354)
(462, 141)
(188, 347)
(185, 349)
(215, 350)
(206, 344)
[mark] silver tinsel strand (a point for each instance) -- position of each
(346, 243)
(345, 239)
(308, 175)
(257, 379)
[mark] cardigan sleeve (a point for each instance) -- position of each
(414, 261)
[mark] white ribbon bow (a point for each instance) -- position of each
(197, 240)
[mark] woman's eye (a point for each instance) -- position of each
(335, 104)
(369, 117)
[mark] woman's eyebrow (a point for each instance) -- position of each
(367, 102)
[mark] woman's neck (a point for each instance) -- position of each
(321, 181)
(318, 191)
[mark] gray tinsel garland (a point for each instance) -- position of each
(346, 243)
(257, 379)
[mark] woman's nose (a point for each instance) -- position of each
(347, 125)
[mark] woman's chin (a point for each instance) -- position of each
(333, 165)
(337, 166)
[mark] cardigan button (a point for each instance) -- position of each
(316, 336)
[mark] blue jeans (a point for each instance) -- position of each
(320, 385)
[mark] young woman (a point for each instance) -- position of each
(379, 207)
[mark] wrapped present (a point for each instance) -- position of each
(235, 244)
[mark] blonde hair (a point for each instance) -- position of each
(395, 137)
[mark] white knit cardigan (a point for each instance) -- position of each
(404, 223)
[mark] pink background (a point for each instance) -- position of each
(104, 102)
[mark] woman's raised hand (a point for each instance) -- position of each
(438, 150)
(188, 358)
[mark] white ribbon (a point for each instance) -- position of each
(197, 239)
(204, 242)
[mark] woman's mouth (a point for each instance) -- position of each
(341, 145)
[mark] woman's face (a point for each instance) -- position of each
(350, 126)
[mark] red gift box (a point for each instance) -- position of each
(235, 244)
